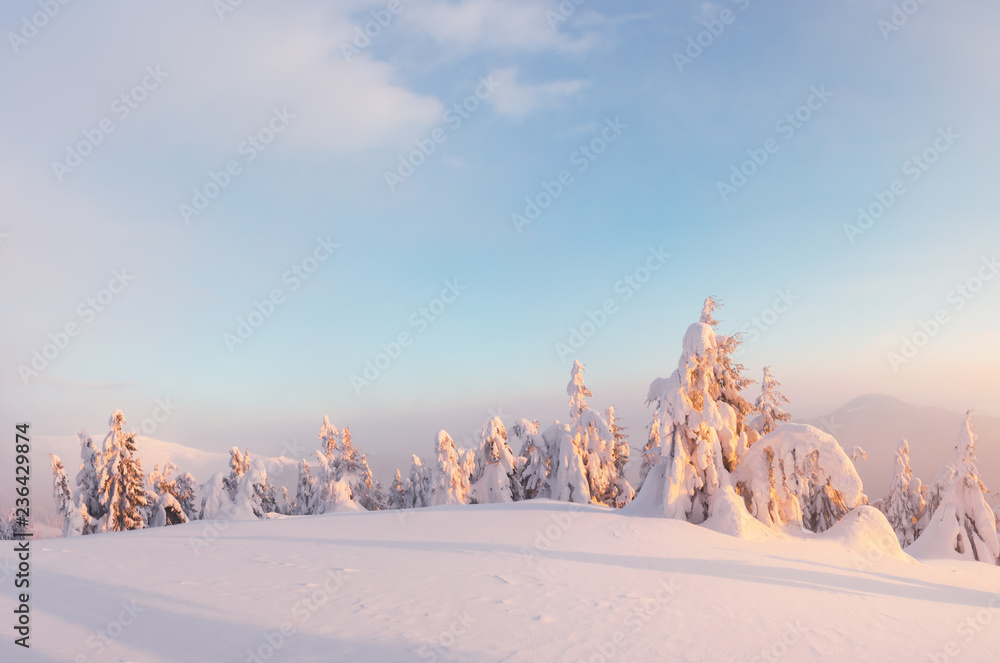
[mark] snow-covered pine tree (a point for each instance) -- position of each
(166, 509)
(451, 476)
(186, 492)
(88, 482)
(596, 440)
(329, 438)
(397, 493)
(305, 491)
(963, 519)
(252, 499)
(239, 463)
(768, 405)
(568, 480)
(123, 492)
(75, 519)
(534, 461)
(904, 504)
(379, 498)
(495, 483)
(702, 417)
(215, 502)
(798, 475)
(352, 467)
(622, 491)
(419, 486)
(652, 451)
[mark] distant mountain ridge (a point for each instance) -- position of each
(877, 423)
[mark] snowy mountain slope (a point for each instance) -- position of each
(877, 423)
(531, 581)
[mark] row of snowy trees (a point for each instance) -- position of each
(952, 511)
(708, 451)
(582, 460)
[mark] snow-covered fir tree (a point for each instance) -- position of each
(88, 482)
(73, 516)
(397, 493)
(621, 491)
(798, 475)
(165, 509)
(904, 505)
(305, 491)
(963, 520)
(652, 451)
(768, 405)
(596, 441)
(215, 502)
(419, 485)
(253, 499)
(239, 463)
(702, 415)
(122, 493)
(329, 438)
(451, 474)
(185, 489)
(534, 461)
(495, 482)
(568, 481)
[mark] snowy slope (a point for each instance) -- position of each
(531, 581)
(878, 422)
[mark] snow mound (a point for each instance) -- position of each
(648, 502)
(866, 531)
(730, 516)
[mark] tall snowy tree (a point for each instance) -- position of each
(123, 492)
(397, 493)
(702, 416)
(596, 439)
(74, 518)
(652, 451)
(963, 519)
(768, 405)
(535, 461)
(419, 486)
(495, 482)
(329, 438)
(88, 482)
(904, 505)
(239, 463)
(451, 475)
(305, 491)
(621, 491)
(252, 498)
(568, 481)
(215, 502)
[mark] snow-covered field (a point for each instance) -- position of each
(530, 581)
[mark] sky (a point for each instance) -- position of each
(234, 207)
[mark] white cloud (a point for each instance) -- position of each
(515, 100)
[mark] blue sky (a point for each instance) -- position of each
(655, 187)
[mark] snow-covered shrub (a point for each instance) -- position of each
(904, 505)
